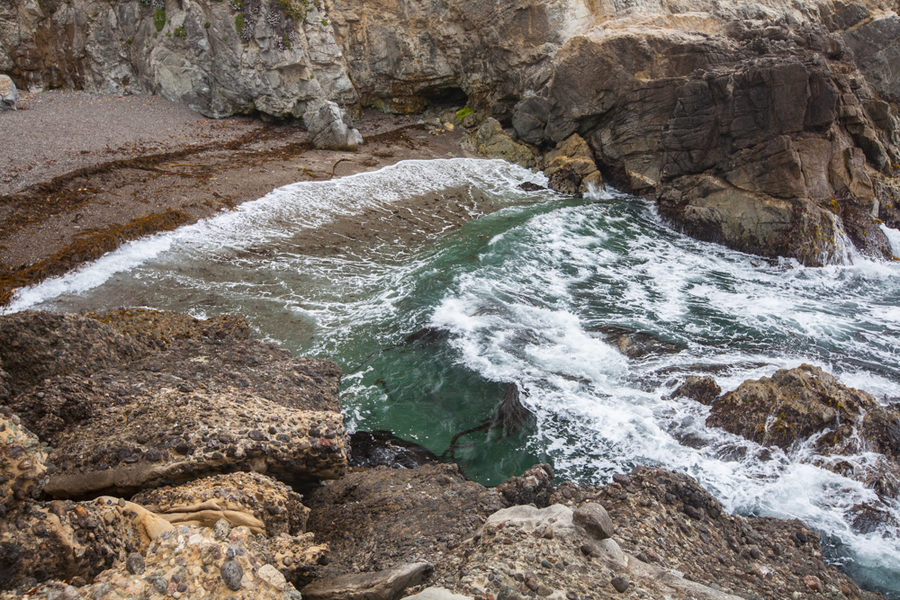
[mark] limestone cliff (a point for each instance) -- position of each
(768, 126)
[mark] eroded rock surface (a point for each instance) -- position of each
(180, 400)
(251, 500)
(22, 458)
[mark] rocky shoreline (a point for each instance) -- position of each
(171, 455)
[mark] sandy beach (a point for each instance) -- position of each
(81, 174)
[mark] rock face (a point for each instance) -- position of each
(219, 58)
(808, 406)
(8, 93)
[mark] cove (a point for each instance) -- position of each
(438, 285)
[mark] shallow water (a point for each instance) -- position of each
(433, 324)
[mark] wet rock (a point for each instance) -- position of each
(370, 449)
(636, 344)
(534, 486)
(703, 389)
(22, 458)
(570, 167)
(64, 539)
(8, 93)
(381, 585)
(331, 128)
(493, 142)
(255, 501)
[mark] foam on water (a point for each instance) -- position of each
(520, 296)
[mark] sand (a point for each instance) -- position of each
(81, 174)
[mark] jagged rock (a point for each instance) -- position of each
(194, 562)
(208, 402)
(570, 167)
(493, 142)
(703, 389)
(376, 518)
(8, 93)
(22, 458)
(331, 128)
(796, 405)
(381, 585)
(534, 486)
(656, 512)
(636, 344)
(255, 501)
(65, 540)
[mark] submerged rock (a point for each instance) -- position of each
(636, 344)
(703, 389)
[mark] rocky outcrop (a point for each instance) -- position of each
(181, 400)
(570, 167)
(8, 93)
(191, 561)
(251, 500)
(703, 389)
(72, 540)
(807, 406)
(493, 142)
(22, 458)
(331, 128)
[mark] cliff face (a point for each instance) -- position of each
(768, 126)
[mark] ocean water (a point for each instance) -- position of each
(434, 330)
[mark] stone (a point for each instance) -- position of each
(64, 539)
(437, 593)
(621, 584)
(493, 142)
(534, 486)
(252, 500)
(594, 519)
(702, 389)
(381, 585)
(569, 164)
(22, 463)
(174, 559)
(8, 93)
(794, 405)
(331, 128)
(155, 432)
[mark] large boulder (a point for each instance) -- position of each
(251, 500)
(493, 142)
(331, 128)
(8, 93)
(806, 404)
(570, 167)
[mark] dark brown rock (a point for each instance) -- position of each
(703, 389)
(534, 486)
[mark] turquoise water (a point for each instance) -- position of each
(433, 332)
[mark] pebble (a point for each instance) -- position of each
(620, 583)
(232, 573)
(135, 563)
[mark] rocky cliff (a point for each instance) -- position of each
(768, 126)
